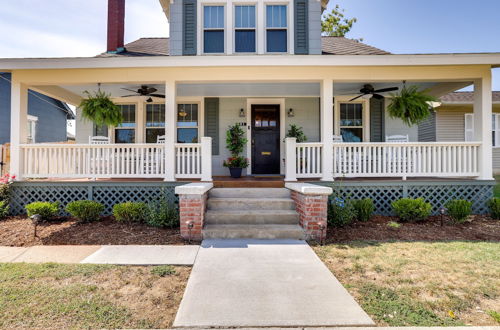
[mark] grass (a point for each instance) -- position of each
(420, 283)
(56, 296)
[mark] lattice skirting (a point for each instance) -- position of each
(383, 193)
(108, 193)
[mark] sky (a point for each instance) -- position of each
(59, 28)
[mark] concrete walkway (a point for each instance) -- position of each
(109, 254)
(252, 283)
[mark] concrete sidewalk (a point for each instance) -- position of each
(273, 283)
(95, 254)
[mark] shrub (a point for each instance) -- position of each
(364, 209)
(163, 270)
(162, 214)
(408, 209)
(494, 206)
(85, 211)
(46, 210)
(459, 210)
(130, 212)
(4, 209)
(340, 212)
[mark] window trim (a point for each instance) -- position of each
(344, 99)
(203, 29)
(201, 114)
(255, 30)
(32, 120)
(145, 115)
(287, 28)
(136, 127)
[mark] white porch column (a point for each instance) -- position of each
(206, 159)
(18, 126)
(290, 159)
(482, 125)
(326, 120)
(170, 129)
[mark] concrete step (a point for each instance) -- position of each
(249, 193)
(251, 217)
(250, 203)
(253, 231)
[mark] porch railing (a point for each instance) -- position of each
(419, 159)
(192, 161)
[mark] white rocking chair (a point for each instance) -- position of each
(99, 140)
(397, 138)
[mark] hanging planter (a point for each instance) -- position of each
(411, 105)
(98, 108)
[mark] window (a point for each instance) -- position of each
(496, 130)
(155, 122)
(187, 123)
(125, 132)
(213, 29)
(351, 122)
(32, 120)
(276, 29)
(244, 35)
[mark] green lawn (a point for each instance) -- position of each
(55, 296)
(420, 283)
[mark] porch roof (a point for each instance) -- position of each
(391, 60)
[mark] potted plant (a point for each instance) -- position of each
(411, 105)
(235, 142)
(100, 109)
(296, 132)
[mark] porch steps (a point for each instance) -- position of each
(259, 213)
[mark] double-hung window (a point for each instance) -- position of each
(125, 132)
(495, 128)
(276, 29)
(351, 122)
(244, 29)
(213, 29)
(187, 123)
(155, 122)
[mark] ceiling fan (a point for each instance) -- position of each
(144, 90)
(370, 90)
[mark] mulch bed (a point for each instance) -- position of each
(479, 229)
(18, 231)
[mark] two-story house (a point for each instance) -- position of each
(264, 65)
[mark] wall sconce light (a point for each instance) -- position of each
(242, 112)
(291, 113)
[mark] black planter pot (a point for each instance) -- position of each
(235, 172)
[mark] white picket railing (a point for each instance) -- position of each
(430, 159)
(308, 160)
(408, 159)
(113, 161)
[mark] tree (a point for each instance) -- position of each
(335, 24)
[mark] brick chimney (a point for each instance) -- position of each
(116, 26)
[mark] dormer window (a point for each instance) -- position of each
(244, 35)
(213, 29)
(276, 29)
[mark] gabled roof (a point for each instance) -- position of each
(465, 98)
(330, 46)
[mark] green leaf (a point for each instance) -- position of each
(98, 108)
(411, 105)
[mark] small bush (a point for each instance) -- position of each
(85, 211)
(163, 271)
(130, 212)
(364, 209)
(459, 210)
(494, 206)
(46, 210)
(408, 209)
(162, 214)
(340, 212)
(4, 209)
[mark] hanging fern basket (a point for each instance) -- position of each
(98, 108)
(411, 105)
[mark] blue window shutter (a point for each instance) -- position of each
(301, 27)
(212, 122)
(377, 122)
(189, 25)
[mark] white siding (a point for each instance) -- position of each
(83, 128)
(306, 110)
(394, 126)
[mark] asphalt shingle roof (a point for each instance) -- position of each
(465, 97)
(330, 46)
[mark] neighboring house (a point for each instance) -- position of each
(454, 121)
(263, 65)
(47, 117)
